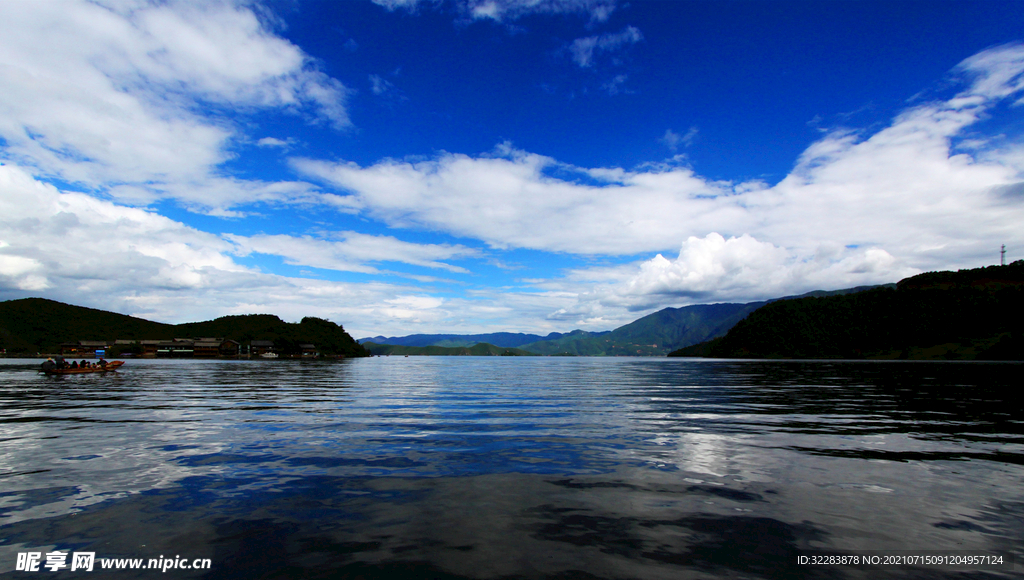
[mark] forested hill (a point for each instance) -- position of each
(33, 325)
(969, 314)
(39, 325)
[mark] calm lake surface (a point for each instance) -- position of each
(508, 467)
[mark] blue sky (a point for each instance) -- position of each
(407, 166)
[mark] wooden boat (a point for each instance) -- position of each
(110, 366)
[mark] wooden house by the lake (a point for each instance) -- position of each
(177, 348)
(261, 347)
(86, 348)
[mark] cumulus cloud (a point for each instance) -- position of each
(741, 269)
(111, 95)
(70, 240)
(583, 50)
(710, 265)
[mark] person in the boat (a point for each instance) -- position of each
(74, 364)
(101, 362)
(84, 364)
(49, 364)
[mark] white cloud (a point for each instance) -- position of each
(739, 269)
(710, 265)
(74, 239)
(214, 194)
(413, 308)
(272, 142)
(995, 73)
(510, 201)
(352, 252)
(110, 96)
(583, 50)
(21, 272)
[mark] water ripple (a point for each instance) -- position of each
(638, 464)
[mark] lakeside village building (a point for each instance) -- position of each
(184, 348)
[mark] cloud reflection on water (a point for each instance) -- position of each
(603, 468)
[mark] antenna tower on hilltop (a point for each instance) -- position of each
(1002, 256)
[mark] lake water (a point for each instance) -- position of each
(508, 467)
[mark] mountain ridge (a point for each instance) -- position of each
(655, 334)
(970, 314)
(33, 325)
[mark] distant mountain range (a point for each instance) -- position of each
(653, 335)
(656, 334)
(39, 325)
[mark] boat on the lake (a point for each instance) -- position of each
(110, 366)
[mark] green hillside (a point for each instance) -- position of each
(329, 338)
(577, 342)
(35, 325)
(478, 349)
(970, 314)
